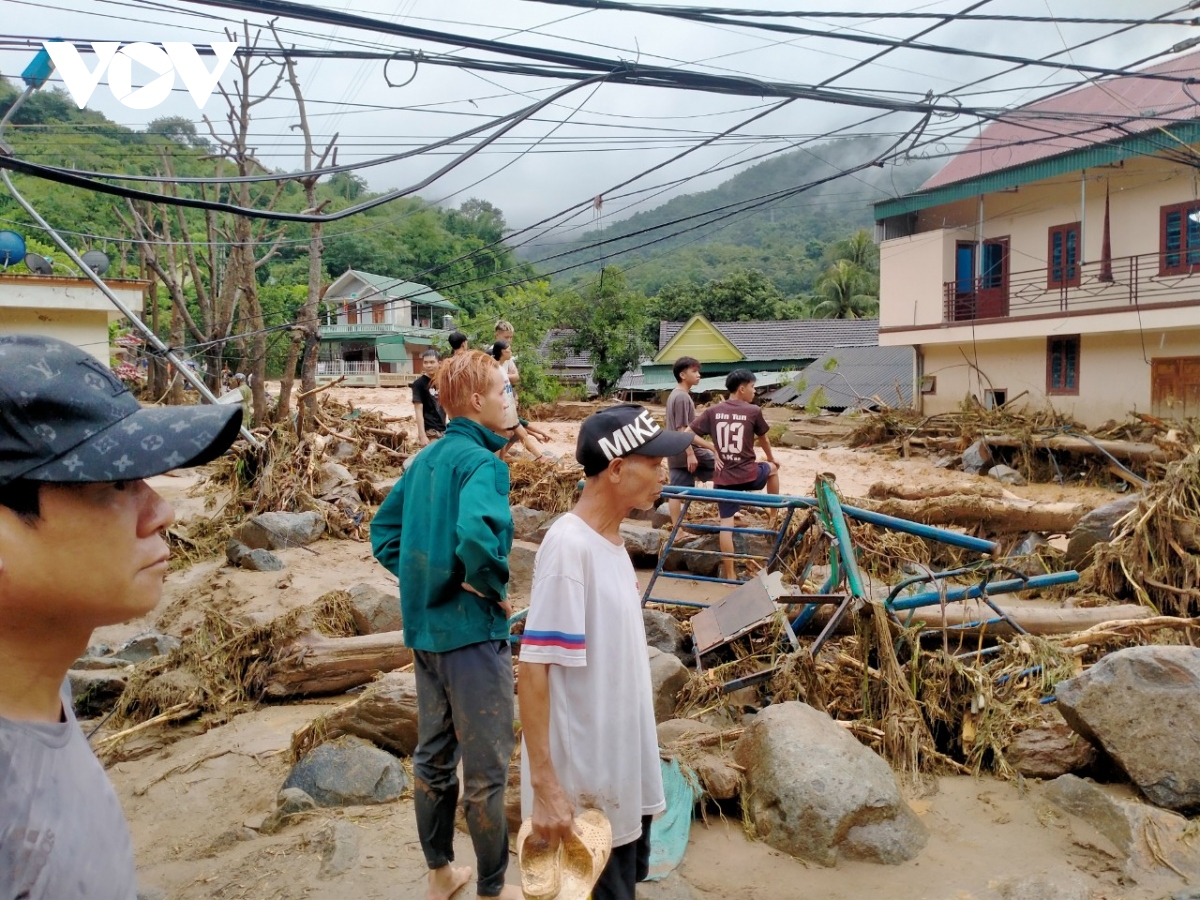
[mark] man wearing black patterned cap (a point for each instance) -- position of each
(80, 546)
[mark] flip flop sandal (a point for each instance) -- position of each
(541, 866)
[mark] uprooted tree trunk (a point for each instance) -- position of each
(985, 508)
(314, 665)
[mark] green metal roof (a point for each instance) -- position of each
(1088, 158)
(398, 288)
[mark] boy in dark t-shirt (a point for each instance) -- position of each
(431, 418)
(693, 465)
(735, 426)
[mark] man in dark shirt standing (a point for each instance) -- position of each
(735, 425)
(431, 418)
(692, 465)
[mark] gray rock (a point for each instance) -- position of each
(801, 441)
(816, 793)
(1129, 824)
(540, 535)
(1025, 556)
(384, 714)
(278, 530)
(658, 517)
(337, 843)
(374, 610)
(144, 646)
(667, 678)
(663, 631)
(643, 544)
(718, 778)
(290, 802)
(673, 730)
(1108, 705)
(526, 522)
(348, 772)
(94, 693)
(383, 487)
(673, 887)
(333, 477)
(705, 563)
(1047, 751)
(243, 557)
(520, 566)
(948, 462)
(1038, 889)
(1097, 527)
(977, 459)
(1007, 475)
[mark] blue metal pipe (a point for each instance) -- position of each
(952, 538)
(954, 594)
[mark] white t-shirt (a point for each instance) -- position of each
(585, 620)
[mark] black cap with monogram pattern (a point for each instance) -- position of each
(64, 417)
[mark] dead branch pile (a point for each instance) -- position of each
(540, 485)
(219, 668)
(562, 411)
(334, 470)
(925, 710)
(1043, 445)
(1155, 556)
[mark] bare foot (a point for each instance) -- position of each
(447, 881)
(508, 892)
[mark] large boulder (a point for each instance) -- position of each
(375, 610)
(348, 772)
(1142, 706)
(663, 631)
(1152, 841)
(144, 646)
(520, 566)
(977, 458)
(1051, 750)
(1097, 527)
(384, 714)
(684, 556)
(814, 792)
(642, 543)
(667, 678)
(95, 692)
(278, 530)
(526, 522)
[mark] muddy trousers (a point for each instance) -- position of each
(464, 711)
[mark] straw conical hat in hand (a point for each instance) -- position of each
(570, 870)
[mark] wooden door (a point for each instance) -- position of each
(377, 313)
(993, 281)
(1175, 387)
(351, 313)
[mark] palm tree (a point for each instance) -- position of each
(859, 249)
(846, 291)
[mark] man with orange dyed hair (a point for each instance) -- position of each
(445, 531)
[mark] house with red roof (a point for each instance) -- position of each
(1056, 259)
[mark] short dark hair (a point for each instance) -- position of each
(683, 364)
(432, 351)
(456, 339)
(737, 378)
(498, 349)
(23, 498)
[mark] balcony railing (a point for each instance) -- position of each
(361, 328)
(1118, 284)
(343, 367)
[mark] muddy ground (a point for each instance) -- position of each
(194, 804)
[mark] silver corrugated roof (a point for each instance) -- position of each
(854, 377)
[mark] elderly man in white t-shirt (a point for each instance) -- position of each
(587, 714)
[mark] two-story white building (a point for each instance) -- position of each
(71, 309)
(1056, 260)
(379, 328)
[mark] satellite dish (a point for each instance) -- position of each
(12, 248)
(96, 260)
(39, 265)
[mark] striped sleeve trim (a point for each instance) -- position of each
(558, 639)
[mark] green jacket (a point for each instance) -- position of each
(447, 521)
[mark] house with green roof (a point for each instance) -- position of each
(378, 328)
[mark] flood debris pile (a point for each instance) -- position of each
(348, 462)
(542, 486)
(1023, 445)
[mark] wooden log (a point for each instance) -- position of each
(885, 490)
(320, 665)
(991, 515)
(1128, 450)
(1039, 620)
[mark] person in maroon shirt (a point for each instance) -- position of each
(735, 425)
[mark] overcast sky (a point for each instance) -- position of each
(595, 138)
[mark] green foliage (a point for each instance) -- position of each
(846, 291)
(609, 322)
(831, 364)
(744, 295)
